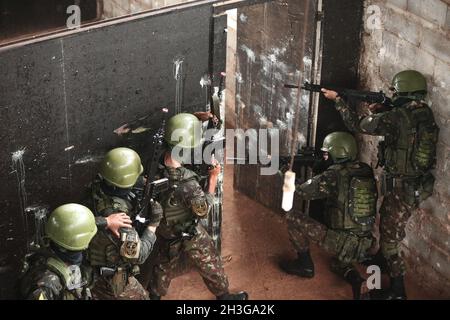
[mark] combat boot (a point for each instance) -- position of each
(395, 292)
(356, 281)
(378, 260)
(153, 296)
(303, 266)
(242, 295)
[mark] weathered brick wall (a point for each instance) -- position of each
(414, 34)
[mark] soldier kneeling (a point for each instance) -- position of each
(350, 191)
(56, 271)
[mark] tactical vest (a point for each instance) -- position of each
(355, 206)
(104, 249)
(412, 150)
(178, 216)
(73, 281)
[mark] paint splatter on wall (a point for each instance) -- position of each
(274, 48)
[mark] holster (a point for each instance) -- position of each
(116, 277)
(119, 281)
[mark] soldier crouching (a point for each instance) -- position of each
(350, 191)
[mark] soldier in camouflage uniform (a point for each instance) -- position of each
(349, 188)
(116, 256)
(181, 238)
(56, 272)
(407, 153)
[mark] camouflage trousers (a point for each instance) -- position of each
(133, 290)
(345, 247)
(174, 256)
(394, 214)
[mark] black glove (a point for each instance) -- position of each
(156, 214)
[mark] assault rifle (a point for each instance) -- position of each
(306, 157)
(216, 123)
(153, 185)
(365, 96)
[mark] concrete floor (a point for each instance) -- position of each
(254, 240)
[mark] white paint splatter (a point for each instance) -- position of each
(301, 139)
(177, 68)
(18, 155)
(88, 159)
(243, 18)
(263, 121)
(307, 61)
(205, 81)
(272, 64)
(18, 167)
(178, 75)
(282, 125)
(257, 110)
(239, 77)
(250, 54)
(69, 148)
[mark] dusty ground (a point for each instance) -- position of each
(254, 240)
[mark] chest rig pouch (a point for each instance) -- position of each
(355, 206)
(411, 151)
(114, 257)
(73, 280)
(179, 217)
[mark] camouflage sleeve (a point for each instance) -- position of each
(319, 187)
(101, 223)
(47, 287)
(148, 240)
(349, 115)
(379, 124)
(196, 199)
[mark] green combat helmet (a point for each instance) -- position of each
(410, 83)
(341, 146)
(184, 130)
(71, 226)
(121, 167)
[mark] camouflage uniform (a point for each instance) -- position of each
(404, 186)
(347, 237)
(116, 266)
(47, 277)
(182, 239)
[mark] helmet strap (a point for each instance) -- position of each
(112, 190)
(406, 97)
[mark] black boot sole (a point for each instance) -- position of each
(302, 274)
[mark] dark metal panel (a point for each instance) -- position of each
(33, 166)
(342, 26)
(131, 79)
(61, 99)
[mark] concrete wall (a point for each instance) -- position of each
(415, 34)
